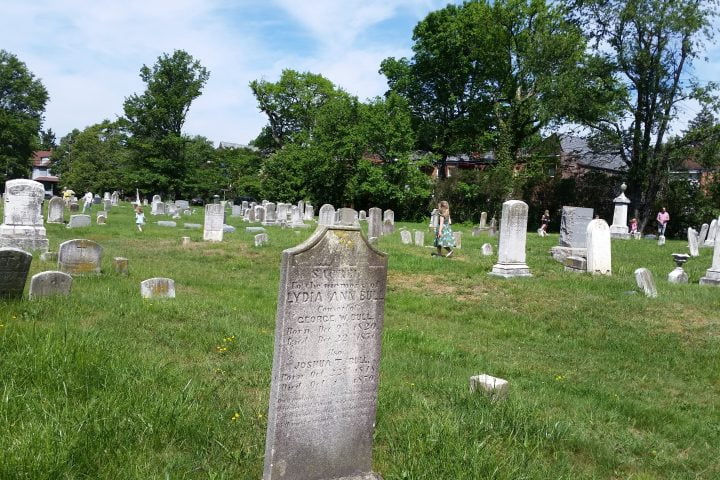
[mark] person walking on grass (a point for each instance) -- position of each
(544, 222)
(663, 217)
(444, 234)
(139, 218)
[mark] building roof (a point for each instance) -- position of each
(580, 148)
(41, 158)
(49, 179)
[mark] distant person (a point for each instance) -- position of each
(633, 226)
(139, 218)
(544, 222)
(87, 201)
(444, 235)
(663, 217)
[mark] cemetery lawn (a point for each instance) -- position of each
(605, 383)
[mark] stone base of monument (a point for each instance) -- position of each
(712, 277)
(678, 276)
(619, 231)
(24, 237)
(510, 270)
(575, 264)
(561, 253)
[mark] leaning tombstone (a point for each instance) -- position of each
(619, 228)
(693, 242)
(22, 225)
(419, 238)
(712, 275)
(214, 219)
(703, 234)
(327, 215)
(159, 287)
(79, 221)
(14, 268)
(323, 395)
(645, 282)
(374, 224)
(599, 250)
(80, 257)
(56, 210)
(712, 231)
(405, 237)
(511, 251)
(121, 265)
(48, 284)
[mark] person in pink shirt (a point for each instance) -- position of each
(663, 217)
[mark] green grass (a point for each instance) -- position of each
(604, 383)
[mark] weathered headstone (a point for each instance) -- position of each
(47, 284)
(121, 265)
(254, 229)
(56, 210)
(661, 240)
(619, 228)
(214, 219)
(309, 212)
(483, 221)
(573, 226)
(282, 212)
(492, 231)
(712, 275)
(374, 223)
(326, 363)
(74, 207)
(160, 287)
(259, 213)
(599, 250)
(693, 242)
(182, 204)
(80, 257)
(49, 257)
(487, 249)
(261, 239)
(435, 219)
(457, 236)
(419, 238)
(270, 217)
(228, 229)
(192, 226)
(167, 223)
(115, 199)
(388, 222)
(645, 282)
(14, 268)
(362, 215)
(156, 198)
(186, 241)
(327, 215)
(157, 208)
(347, 216)
(511, 250)
(712, 232)
(703, 234)
(22, 225)
(405, 237)
(101, 218)
(79, 221)
(575, 264)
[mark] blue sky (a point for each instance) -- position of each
(88, 54)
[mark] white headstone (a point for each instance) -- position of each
(487, 249)
(159, 287)
(327, 215)
(22, 225)
(703, 234)
(599, 250)
(80, 257)
(419, 238)
(496, 388)
(693, 242)
(374, 223)
(78, 221)
(645, 282)
(56, 210)
(214, 220)
(261, 239)
(309, 212)
(712, 232)
(405, 237)
(619, 228)
(513, 232)
(712, 275)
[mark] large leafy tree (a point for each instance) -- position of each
(492, 74)
(95, 159)
(22, 104)
(651, 44)
(154, 121)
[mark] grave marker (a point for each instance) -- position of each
(159, 287)
(214, 219)
(599, 250)
(80, 257)
(14, 268)
(511, 250)
(56, 210)
(22, 225)
(47, 284)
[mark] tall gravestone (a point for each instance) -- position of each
(434, 219)
(693, 242)
(214, 220)
(47, 284)
(260, 213)
(513, 235)
(323, 395)
(309, 212)
(619, 228)
(327, 215)
(14, 268)
(419, 238)
(388, 222)
(22, 225)
(703, 234)
(483, 221)
(80, 257)
(712, 231)
(270, 217)
(56, 210)
(599, 253)
(712, 275)
(374, 223)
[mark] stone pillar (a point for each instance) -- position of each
(619, 228)
(513, 232)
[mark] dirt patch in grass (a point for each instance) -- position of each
(421, 283)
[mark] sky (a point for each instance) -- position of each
(88, 54)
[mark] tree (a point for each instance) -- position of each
(47, 139)
(651, 45)
(155, 119)
(491, 75)
(95, 159)
(22, 104)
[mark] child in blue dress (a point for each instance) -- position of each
(139, 217)
(444, 236)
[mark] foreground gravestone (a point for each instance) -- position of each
(214, 220)
(511, 250)
(158, 287)
(14, 268)
(645, 282)
(712, 275)
(599, 250)
(80, 257)
(101, 218)
(79, 221)
(326, 362)
(48, 284)
(56, 210)
(326, 215)
(22, 225)
(374, 223)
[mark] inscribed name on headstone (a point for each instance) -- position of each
(327, 357)
(56, 210)
(80, 257)
(159, 287)
(214, 220)
(327, 215)
(573, 226)
(22, 225)
(645, 282)
(78, 221)
(48, 284)
(14, 268)
(513, 236)
(599, 250)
